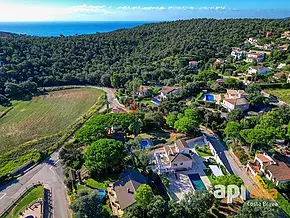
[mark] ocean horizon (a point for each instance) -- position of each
(67, 28)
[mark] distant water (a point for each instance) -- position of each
(65, 28)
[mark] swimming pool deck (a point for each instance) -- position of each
(179, 187)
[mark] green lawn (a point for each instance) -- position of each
(29, 197)
(44, 118)
(203, 152)
(283, 94)
(101, 182)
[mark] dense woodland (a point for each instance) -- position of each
(154, 52)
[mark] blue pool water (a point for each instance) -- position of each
(196, 182)
(102, 193)
(209, 97)
(145, 143)
(156, 101)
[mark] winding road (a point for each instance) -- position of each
(47, 172)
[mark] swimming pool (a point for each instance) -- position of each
(196, 182)
(145, 143)
(156, 101)
(208, 97)
(102, 193)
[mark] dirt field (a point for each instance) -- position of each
(44, 115)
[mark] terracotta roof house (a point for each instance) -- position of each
(174, 157)
(236, 103)
(236, 93)
(144, 91)
(168, 90)
(275, 171)
(278, 76)
(122, 192)
(278, 172)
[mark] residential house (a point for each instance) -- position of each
(281, 65)
(238, 53)
(121, 193)
(236, 103)
(170, 158)
(235, 99)
(144, 91)
(220, 82)
(266, 47)
(253, 41)
(279, 76)
(276, 171)
(168, 90)
(255, 57)
(283, 47)
(268, 35)
(286, 35)
(233, 94)
(258, 70)
(193, 64)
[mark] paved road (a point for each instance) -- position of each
(48, 172)
(230, 163)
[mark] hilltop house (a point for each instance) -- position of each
(238, 53)
(167, 90)
(121, 193)
(174, 157)
(144, 91)
(275, 171)
(266, 47)
(253, 57)
(258, 70)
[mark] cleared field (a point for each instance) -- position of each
(283, 94)
(44, 115)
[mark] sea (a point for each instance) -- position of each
(66, 28)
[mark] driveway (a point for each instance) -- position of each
(230, 163)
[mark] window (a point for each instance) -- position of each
(181, 164)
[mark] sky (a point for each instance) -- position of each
(139, 10)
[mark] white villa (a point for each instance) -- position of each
(169, 158)
(253, 41)
(238, 53)
(253, 57)
(275, 171)
(236, 99)
(258, 70)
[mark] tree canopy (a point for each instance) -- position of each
(103, 155)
